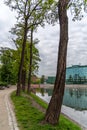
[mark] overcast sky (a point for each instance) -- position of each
(49, 39)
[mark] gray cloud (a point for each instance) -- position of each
(77, 48)
(48, 46)
(49, 40)
(7, 20)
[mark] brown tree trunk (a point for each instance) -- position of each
(54, 108)
(22, 60)
(30, 65)
(23, 80)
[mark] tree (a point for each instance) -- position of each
(28, 11)
(31, 58)
(42, 79)
(10, 60)
(54, 108)
(30, 64)
(77, 8)
(7, 72)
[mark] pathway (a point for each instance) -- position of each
(7, 118)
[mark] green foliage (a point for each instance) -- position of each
(7, 73)
(17, 53)
(10, 60)
(35, 58)
(36, 12)
(42, 79)
(36, 82)
(39, 101)
(29, 118)
(3, 84)
(30, 14)
(78, 8)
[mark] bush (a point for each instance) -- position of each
(3, 84)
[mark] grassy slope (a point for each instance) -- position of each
(29, 118)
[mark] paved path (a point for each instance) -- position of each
(7, 118)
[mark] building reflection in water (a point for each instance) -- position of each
(73, 97)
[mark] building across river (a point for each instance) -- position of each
(75, 74)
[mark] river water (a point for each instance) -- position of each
(74, 103)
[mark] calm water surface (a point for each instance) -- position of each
(73, 97)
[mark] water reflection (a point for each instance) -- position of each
(73, 97)
(76, 98)
(42, 91)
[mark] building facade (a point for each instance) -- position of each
(75, 74)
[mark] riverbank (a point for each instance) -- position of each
(76, 86)
(29, 117)
(80, 117)
(66, 86)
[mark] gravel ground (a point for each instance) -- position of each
(7, 116)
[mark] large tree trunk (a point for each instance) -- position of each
(22, 60)
(23, 80)
(54, 108)
(30, 65)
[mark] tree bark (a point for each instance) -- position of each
(54, 108)
(30, 65)
(22, 60)
(23, 80)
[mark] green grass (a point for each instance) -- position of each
(29, 118)
(39, 101)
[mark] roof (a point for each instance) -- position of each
(77, 66)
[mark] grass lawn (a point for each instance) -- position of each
(29, 117)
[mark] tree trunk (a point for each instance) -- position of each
(54, 108)
(30, 65)
(23, 80)
(22, 60)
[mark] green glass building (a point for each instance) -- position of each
(75, 74)
(50, 80)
